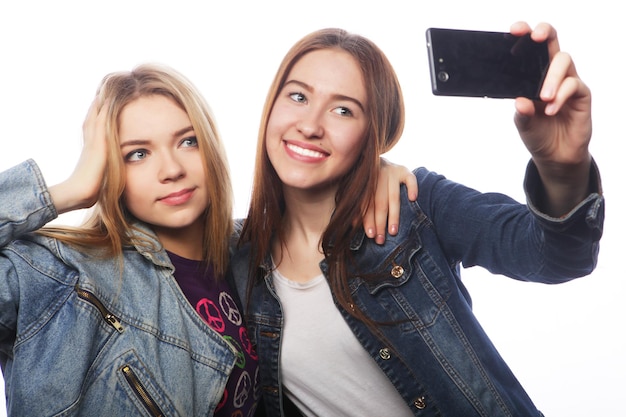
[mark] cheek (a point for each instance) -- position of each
(271, 132)
(134, 193)
(352, 144)
(195, 166)
(271, 141)
(278, 122)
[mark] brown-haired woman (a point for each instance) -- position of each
(345, 327)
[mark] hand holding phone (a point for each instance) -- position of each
(485, 64)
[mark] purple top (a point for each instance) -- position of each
(213, 300)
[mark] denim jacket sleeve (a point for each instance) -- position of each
(24, 200)
(513, 239)
(25, 206)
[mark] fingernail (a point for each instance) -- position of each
(393, 229)
(380, 239)
(547, 93)
(370, 232)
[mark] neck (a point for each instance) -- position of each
(305, 220)
(185, 242)
(308, 213)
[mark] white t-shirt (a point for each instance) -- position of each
(325, 370)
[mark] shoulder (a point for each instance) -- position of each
(426, 177)
(429, 184)
(33, 255)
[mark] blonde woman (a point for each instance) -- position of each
(128, 314)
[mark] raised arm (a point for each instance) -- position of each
(557, 129)
(81, 189)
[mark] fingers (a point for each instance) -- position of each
(369, 222)
(81, 189)
(542, 32)
(94, 126)
(374, 229)
(375, 218)
(562, 84)
(88, 174)
(520, 28)
(393, 215)
(383, 213)
(561, 81)
(410, 180)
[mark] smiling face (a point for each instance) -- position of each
(165, 180)
(317, 125)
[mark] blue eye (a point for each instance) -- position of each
(343, 111)
(298, 97)
(189, 142)
(136, 155)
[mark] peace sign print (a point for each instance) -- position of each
(211, 314)
(242, 392)
(247, 345)
(240, 360)
(229, 307)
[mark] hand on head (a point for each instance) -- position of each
(81, 189)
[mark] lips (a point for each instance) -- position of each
(305, 153)
(178, 197)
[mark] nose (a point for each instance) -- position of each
(310, 124)
(171, 168)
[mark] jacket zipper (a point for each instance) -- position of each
(106, 315)
(128, 373)
(141, 392)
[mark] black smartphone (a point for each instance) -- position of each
(473, 63)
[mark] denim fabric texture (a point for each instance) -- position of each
(80, 337)
(438, 356)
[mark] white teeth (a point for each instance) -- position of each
(305, 152)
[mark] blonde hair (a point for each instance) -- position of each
(109, 225)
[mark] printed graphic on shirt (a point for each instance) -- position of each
(247, 344)
(211, 314)
(226, 319)
(214, 301)
(230, 308)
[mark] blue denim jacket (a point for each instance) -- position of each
(439, 357)
(80, 337)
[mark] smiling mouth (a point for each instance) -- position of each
(310, 153)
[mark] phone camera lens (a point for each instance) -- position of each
(443, 76)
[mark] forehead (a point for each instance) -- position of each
(151, 115)
(332, 71)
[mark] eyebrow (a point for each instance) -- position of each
(334, 96)
(135, 142)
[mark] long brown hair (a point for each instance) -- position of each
(385, 112)
(109, 224)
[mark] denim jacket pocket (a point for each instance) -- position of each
(138, 385)
(408, 285)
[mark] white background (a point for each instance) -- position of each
(565, 343)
